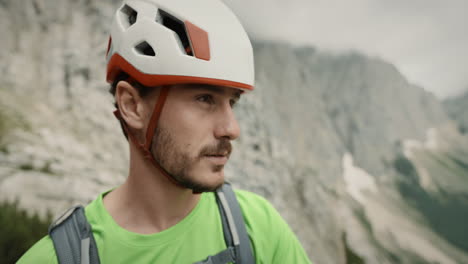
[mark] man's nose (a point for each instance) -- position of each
(227, 125)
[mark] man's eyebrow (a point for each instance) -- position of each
(219, 90)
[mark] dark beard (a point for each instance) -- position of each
(178, 164)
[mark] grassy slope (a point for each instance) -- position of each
(18, 231)
(446, 213)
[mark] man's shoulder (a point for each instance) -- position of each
(249, 199)
(271, 237)
(257, 210)
(44, 251)
(41, 252)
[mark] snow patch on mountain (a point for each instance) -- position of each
(358, 181)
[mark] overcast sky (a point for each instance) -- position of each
(426, 39)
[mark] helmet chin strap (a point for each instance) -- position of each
(145, 148)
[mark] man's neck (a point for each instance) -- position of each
(148, 202)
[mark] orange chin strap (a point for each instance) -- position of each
(146, 147)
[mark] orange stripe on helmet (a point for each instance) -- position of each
(117, 64)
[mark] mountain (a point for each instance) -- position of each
(357, 160)
(340, 125)
(457, 108)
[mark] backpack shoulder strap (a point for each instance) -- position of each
(73, 238)
(235, 233)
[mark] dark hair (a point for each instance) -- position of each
(122, 76)
(143, 91)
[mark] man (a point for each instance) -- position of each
(176, 69)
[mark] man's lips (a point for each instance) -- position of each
(217, 154)
(218, 159)
(222, 153)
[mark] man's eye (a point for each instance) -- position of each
(233, 103)
(206, 98)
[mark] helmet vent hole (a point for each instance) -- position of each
(128, 16)
(145, 49)
(178, 27)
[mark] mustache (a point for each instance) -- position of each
(224, 145)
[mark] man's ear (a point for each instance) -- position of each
(131, 105)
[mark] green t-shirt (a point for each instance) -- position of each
(197, 236)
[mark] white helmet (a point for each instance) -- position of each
(163, 42)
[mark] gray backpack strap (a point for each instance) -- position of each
(235, 233)
(226, 256)
(73, 238)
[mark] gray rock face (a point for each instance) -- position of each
(457, 108)
(54, 105)
(320, 135)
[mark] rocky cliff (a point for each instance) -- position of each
(344, 147)
(457, 108)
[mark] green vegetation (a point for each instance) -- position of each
(450, 163)
(406, 168)
(10, 117)
(19, 231)
(446, 213)
(351, 256)
(461, 163)
(462, 129)
(26, 167)
(3, 131)
(44, 169)
(361, 215)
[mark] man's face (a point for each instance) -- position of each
(193, 139)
